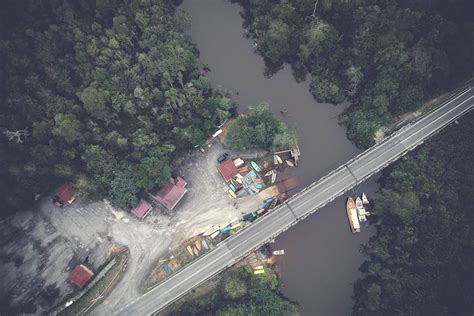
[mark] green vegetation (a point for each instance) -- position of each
(99, 292)
(259, 129)
(386, 56)
(106, 89)
(242, 293)
(420, 261)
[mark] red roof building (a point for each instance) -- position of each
(172, 193)
(64, 195)
(142, 209)
(80, 275)
(228, 169)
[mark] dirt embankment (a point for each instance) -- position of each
(410, 117)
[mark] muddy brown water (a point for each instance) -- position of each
(322, 255)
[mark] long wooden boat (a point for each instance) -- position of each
(198, 245)
(352, 215)
(274, 176)
(255, 166)
(277, 160)
(190, 250)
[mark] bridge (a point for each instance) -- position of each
(301, 205)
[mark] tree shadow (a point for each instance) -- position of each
(299, 71)
(271, 68)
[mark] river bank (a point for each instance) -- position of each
(249, 287)
(322, 257)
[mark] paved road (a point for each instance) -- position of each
(301, 205)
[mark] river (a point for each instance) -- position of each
(322, 255)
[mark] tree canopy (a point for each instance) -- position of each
(107, 89)
(241, 292)
(386, 56)
(259, 129)
(420, 260)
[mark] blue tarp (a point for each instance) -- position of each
(251, 174)
(265, 204)
(166, 268)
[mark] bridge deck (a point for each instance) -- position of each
(302, 204)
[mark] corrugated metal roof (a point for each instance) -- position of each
(80, 275)
(65, 192)
(142, 209)
(172, 193)
(228, 169)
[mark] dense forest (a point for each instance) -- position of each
(259, 129)
(420, 260)
(102, 93)
(387, 57)
(241, 292)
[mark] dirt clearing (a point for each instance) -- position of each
(39, 247)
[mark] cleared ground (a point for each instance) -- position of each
(39, 247)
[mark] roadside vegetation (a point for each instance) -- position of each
(99, 292)
(105, 89)
(241, 292)
(387, 57)
(420, 260)
(259, 129)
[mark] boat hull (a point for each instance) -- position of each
(352, 215)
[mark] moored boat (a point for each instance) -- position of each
(290, 163)
(190, 250)
(255, 166)
(214, 235)
(274, 177)
(359, 204)
(352, 215)
(269, 173)
(232, 194)
(198, 245)
(365, 200)
(279, 252)
(277, 160)
(362, 211)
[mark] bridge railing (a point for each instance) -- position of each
(384, 140)
(366, 176)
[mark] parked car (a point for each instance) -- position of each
(222, 157)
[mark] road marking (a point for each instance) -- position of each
(364, 155)
(327, 177)
(181, 282)
(380, 147)
(438, 118)
(320, 192)
(414, 133)
(438, 109)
